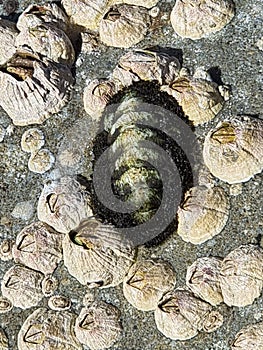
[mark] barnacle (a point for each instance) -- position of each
(8, 34)
(5, 306)
(32, 140)
(59, 302)
(41, 161)
(249, 337)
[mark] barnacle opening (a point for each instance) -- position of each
(21, 66)
(224, 134)
(112, 15)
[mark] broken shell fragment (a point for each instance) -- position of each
(3, 340)
(197, 18)
(41, 161)
(202, 278)
(48, 329)
(49, 285)
(5, 306)
(241, 275)
(63, 204)
(8, 33)
(59, 302)
(22, 286)
(147, 281)
(249, 337)
(97, 255)
(233, 150)
(32, 90)
(203, 214)
(32, 140)
(98, 326)
(6, 250)
(124, 25)
(180, 315)
(38, 247)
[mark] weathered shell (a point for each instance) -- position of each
(63, 204)
(59, 302)
(35, 92)
(46, 41)
(180, 315)
(202, 278)
(8, 35)
(3, 340)
(147, 281)
(203, 214)
(5, 306)
(41, 161)
(233, 150)
(97, 95)
(149, 65)
(241, 275)
(196, 18)
(47, 329)
(124, 25)
(49, 285)
(249, 337)
(98, 326)
(32, 140)
(6, 249)
(38, 247)
(201, 99)
(86, 13)
(144, 3)
(22, 286)
(100, 257)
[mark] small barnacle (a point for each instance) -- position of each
(49, 285)
(203, 214)
(3, 340)
(249, 337)
(8, 33)
(202, 278)
(147, 281)
(48, 329)
(38, 247)
(6, 250)
(97, 255)
(59, 302)
(22, 286)
(97, 95)
(5, 306)
(63, 204)
(241, 275)
(197, 18)
(98, 326)
(180, 315)
(200, 98)
(32, 90)
(32, 140)
(233, 150)
(41, 161)
(124, 25)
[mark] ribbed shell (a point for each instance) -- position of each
(249, 337)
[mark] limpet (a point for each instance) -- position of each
(6, 249)
(63, 203)
(39, 247)
(48, 329)
(41, 161)
(241, 275)
(180, 315)
(59, 302)
(124, 25)
(96, 254)
(32, 140)
(8, 33)
(197, 18)
(249, 337)
(98, 326)
(5, 306)
(147, 281)
(233, 149)
(202, 278)
(203, 214)
(3, 340)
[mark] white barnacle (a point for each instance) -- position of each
(41, 161)
(6, 249)
(32, 140)
(59, 302)
(249, 337)
(6, 305)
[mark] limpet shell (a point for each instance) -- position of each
(6, 249)
(32, 140)
(43, 91)
(98, 326)
(5, 306)
(39, 247)
(22, 286)
(197, 18)
(249, 337)
(202, 278)
(8, 33)
(63, 204)
(233, 149)
(3, 340)
(203, 214)
(180, 315)
(124, 25)
(147, 281)
(59, 302)
(48, 329)
(97, 255)
(41, 161)
(241, 275)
